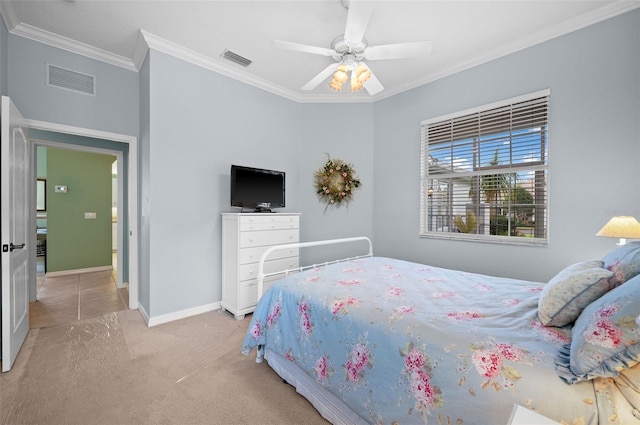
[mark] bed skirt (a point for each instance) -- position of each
(328, 405)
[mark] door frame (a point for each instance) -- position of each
(132, 212)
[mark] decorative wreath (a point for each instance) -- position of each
(335, 182)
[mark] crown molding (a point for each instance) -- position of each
(55, 40)
(195, 58)
(140, 52)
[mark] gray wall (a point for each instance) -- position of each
(343, 131)
(144, 145)
(200, 124)
(4, 36)
(114, 108)
(594, 132)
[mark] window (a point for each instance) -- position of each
(484, 172)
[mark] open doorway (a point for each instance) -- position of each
(76, 226)
(126, 150)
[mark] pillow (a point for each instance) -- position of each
(606, 337)
(624, 261)
(570, 291)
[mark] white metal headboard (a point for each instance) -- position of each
(262, 275)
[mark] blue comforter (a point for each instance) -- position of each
(405, 343)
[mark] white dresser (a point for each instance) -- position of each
(245, 237)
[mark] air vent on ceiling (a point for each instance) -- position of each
(71, 80)
(234, 57)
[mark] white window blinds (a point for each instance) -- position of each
(484, 172)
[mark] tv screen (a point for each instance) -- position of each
(257, 188)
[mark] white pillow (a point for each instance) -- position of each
(570, 291)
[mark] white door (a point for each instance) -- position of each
(15, 198)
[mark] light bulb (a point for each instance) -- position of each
(336, 85)
(363, 73)
(340, 75)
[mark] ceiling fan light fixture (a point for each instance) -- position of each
(349, 48)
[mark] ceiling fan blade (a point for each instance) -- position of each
(323, 75)
(357, 20)
(373, 85)
(414, 49)
(304, 48)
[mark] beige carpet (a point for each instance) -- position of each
(114, 370)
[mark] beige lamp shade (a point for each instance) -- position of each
(622, 227)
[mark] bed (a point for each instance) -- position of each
(385, 341)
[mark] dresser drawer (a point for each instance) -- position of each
(269, 222)
(252, 255)
(268, 237)
(248, 292)
(250, 271)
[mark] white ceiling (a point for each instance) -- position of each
(464, 34)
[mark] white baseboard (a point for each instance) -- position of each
(182, 314)
(144, 314)
(79, 271)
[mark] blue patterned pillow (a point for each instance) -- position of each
(570, 291)
(606, 338)
(624, 262)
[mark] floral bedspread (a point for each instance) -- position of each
(406, 343)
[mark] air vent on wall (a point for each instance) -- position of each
(71, 80)
(234, 57)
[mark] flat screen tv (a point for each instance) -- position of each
(256, 188)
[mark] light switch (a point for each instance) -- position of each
(89, 216)
(60, 189)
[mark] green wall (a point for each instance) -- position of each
(74, 242)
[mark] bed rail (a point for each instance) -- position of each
(262, 275)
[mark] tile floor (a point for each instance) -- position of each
(65, 299)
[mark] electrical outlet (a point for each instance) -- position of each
(89, 216)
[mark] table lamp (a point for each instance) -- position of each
(622, 227)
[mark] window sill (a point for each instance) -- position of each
(500, 240)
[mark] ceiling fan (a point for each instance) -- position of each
(351, 48)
